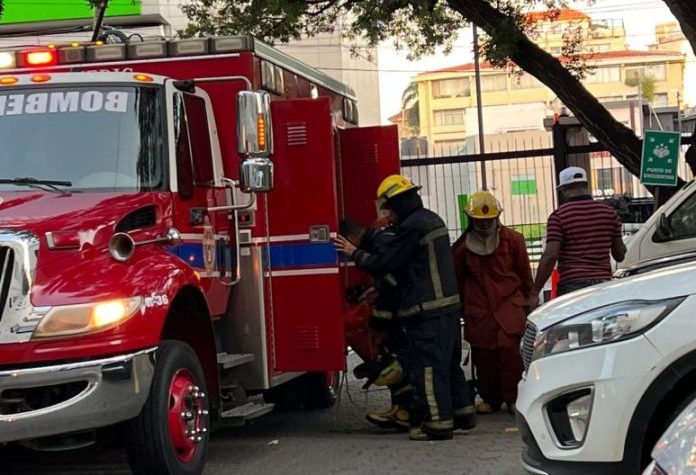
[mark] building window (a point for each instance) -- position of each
(661, 99)
(658, 72)
(605, 181)
(525, 81)
(495, 82)
(604, 75)
(449, 117)
(451, 88)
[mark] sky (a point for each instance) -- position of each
(639, 16)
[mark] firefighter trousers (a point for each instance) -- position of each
(397, 344)
(434, 367)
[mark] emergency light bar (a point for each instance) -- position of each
(188, 47)
(147, 50)
(7, 60)
(71, 54)
(38, 57)
(98, 52)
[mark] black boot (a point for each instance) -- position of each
(465, 418)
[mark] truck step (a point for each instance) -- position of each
(230, 360)
(250, 410)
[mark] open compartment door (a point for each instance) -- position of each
(368, 155)
(306, 289)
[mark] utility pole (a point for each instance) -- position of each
(679, 113)
(479, 107)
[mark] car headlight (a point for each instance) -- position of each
(66, 320)
(602, 325)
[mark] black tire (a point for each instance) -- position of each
(309, 391)
(322, 389)
(150, 448)
(287, 397)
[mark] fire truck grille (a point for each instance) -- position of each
(528, 344)
(6, 268)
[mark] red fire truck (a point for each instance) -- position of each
(166, 216)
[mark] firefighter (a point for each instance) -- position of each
(494, 274)
(385, 370)
(420, 258)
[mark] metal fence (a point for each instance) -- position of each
(521, 175)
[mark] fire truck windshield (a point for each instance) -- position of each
(98, 138)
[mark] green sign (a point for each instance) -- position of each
(462, 201)
(524, 185)
(660, 158)
(23, 11)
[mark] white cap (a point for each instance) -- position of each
(571, 175)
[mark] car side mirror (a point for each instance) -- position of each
(664, 229)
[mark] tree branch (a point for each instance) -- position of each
(619, 139)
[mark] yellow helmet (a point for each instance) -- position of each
(394, 185)
(483, 205)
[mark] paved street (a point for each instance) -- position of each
(336, 441)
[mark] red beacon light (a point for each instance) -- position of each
(44, 57)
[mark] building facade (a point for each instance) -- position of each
(514, 108)
(446, 95)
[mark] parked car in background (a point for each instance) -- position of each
(675, 453)
(605, 369)
(670, 230)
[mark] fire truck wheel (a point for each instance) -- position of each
(170, 436)
(322, 389)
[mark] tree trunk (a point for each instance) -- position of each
(685, 12)
(619, 140)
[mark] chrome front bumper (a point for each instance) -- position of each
(115, 390)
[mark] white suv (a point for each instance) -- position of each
(606, 370)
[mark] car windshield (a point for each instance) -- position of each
(97, 138)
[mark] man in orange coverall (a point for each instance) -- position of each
(495, 279)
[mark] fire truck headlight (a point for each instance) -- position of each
(77, 319)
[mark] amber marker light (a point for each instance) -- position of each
(41, 78)
(261, 125)
(8, 80)
(143, 78)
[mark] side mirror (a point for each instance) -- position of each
(254, 131)
(256, 175)
(664, 229)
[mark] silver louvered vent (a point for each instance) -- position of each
(297, 133)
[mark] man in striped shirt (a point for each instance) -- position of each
(580, 235)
